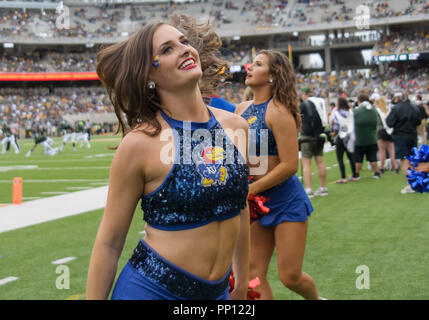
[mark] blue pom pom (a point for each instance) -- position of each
(419, 155)
(419, 181)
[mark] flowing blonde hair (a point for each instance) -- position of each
(382, 105)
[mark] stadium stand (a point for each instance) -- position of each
(242, 17)
(37, 44)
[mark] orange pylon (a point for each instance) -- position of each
(17, 191)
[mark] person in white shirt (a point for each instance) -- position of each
(343, 130)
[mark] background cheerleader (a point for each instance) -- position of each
(275, 109)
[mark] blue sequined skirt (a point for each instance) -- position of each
(288, 202)
(148, 276)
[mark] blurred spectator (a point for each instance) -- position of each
(404, 118)
(365, 124)
(343, 129)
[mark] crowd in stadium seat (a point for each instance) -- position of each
(403, 42)
(32, 107)
(41, 108)
(22, 63)
(47, 62)
(236, 53)
(413, 81)
(116, 20)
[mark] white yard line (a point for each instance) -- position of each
(51, 208)
(16, 168)
(53, 192)
(7, 280)
(104, 181)
(36, 168)
(72, 168)
(64, 260)
(26, 161)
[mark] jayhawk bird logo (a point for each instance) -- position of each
(251, 119)
(211, 169)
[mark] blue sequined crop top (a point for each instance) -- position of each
(207, 182)
(259, 131)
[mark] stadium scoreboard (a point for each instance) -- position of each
(398, 57)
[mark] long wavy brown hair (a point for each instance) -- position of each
(124, 69)
(284, 84)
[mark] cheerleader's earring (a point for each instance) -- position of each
(151, 85)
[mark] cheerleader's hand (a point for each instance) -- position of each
(423, 167)
(237, 294)
(244, 293)
(257, 208)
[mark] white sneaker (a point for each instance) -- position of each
(407, 189)
(322, 192)
(309, 193)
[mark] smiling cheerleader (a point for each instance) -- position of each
(197, 221)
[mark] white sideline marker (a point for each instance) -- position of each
(59, 180)
(64, 260)
(53, 192)
(11, 168)
(51, 208)
(7, 280)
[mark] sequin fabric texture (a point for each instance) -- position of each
(208, 187)
(150, 265)
(259, 132)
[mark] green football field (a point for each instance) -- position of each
(366, 225)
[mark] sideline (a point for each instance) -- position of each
(33, 212)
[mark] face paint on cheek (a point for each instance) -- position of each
(155, 62)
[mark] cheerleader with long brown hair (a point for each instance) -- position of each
(274, 116)
(170, 158)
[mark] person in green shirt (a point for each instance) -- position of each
(366, 120)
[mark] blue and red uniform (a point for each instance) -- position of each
(198, 190)
(288, 200)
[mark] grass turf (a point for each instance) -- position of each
(362, 223)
